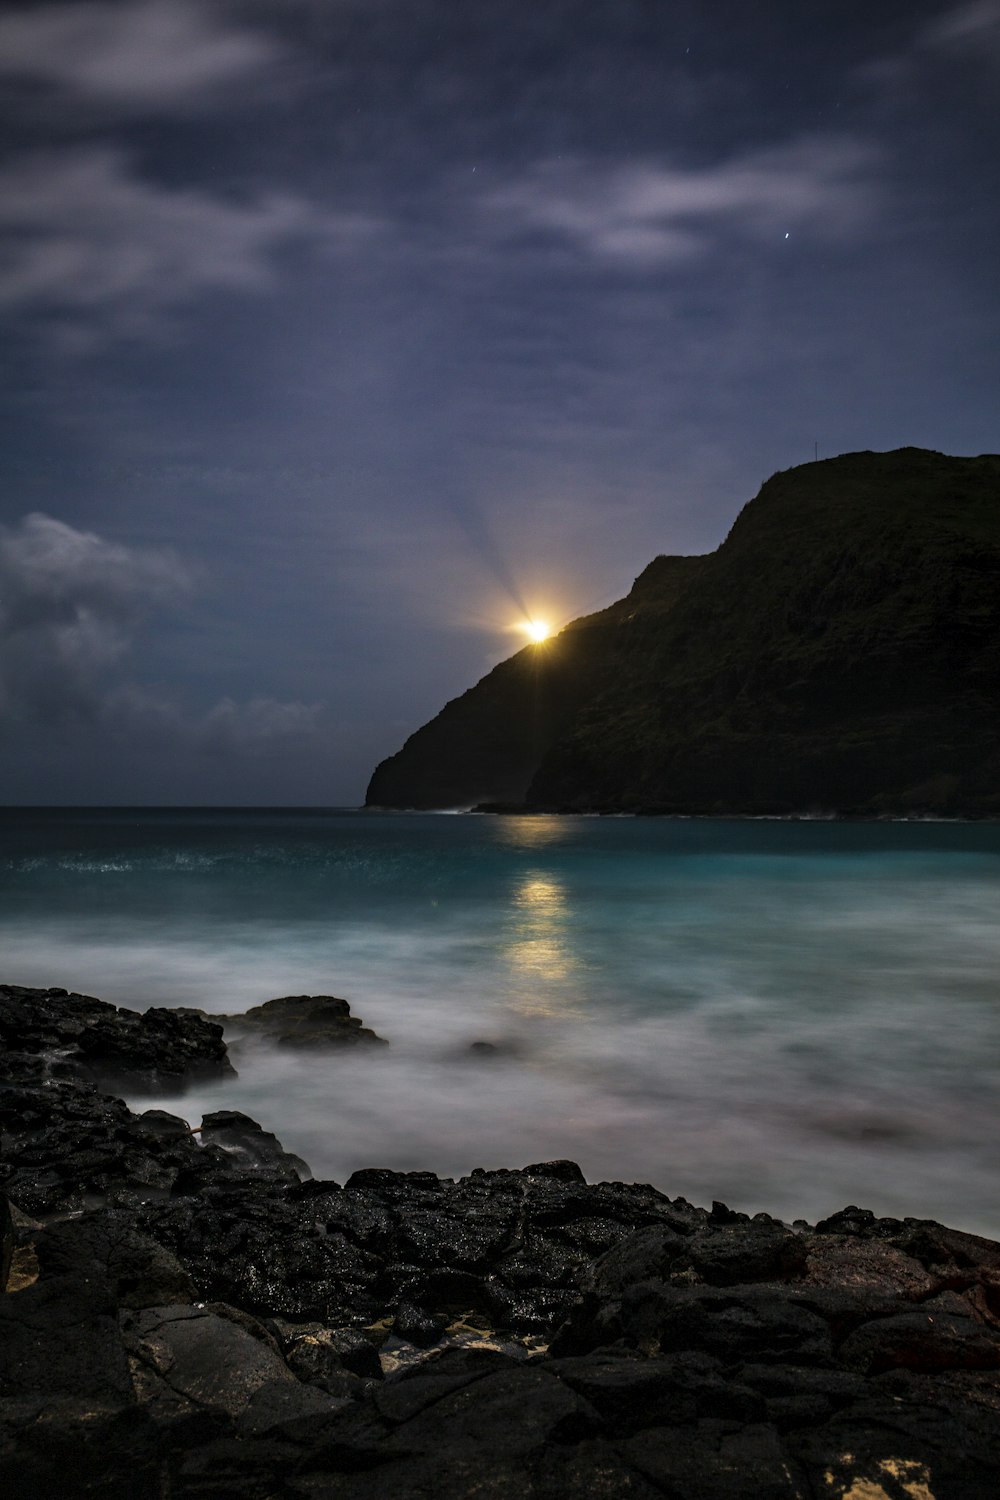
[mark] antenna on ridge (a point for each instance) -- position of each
(815, 452)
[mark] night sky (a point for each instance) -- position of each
(341, 333)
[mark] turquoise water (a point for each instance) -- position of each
(787, 1016)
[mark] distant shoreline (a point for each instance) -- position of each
(485, 810)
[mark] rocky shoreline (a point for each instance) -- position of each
(187, 1313)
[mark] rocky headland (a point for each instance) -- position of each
(188, 1313)
(838, 654)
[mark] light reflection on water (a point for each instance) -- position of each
(543, 965)
(786, 1017)
(532, 832)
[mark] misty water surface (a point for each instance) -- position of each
(786, 1016)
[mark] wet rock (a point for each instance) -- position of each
(417, 1326)
(207, 1356)
(54, 1033)
(741, 1252)
(278, 1407)
(949, 1253)
(139, 1271)
(742, 1323)
(652, 1253)
(40, 1021)
(354, 1351)
(430, 1236)
(6, 1241)
(922, 1340)
(859, 1221)
(60, 1345)
(591, 1234)
(259, 1152)
(487, 1051)
(450, 1291)
(592, 1470)
(205, 1323)
(157, 1052)
(894, 1445)
(717, 1461)
(632, 1393)
(562, 1171)
(843, 1261)
(302, 1021)
(86, 1449)
(721, 1214)
(340, 1361)
(737, 1324)
(63, 1144)
(530, 1310)
(418, 1386)
(539, 1261)
(67, 1147)
(159, 1125)
(798, 1396)
(509, 1410)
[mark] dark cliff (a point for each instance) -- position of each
(487, 745)
(839, 652)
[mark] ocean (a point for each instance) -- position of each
(786, 1016)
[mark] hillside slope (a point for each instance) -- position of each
(840, 652)
(486, 745)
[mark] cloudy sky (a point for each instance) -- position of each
(341, 332)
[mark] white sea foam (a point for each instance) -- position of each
(788, 1027)
(677, 1103)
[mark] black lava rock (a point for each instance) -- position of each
(302, 1021)
(52, 1033)
(201, 1322)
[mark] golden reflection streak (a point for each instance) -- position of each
(541, 959)
(530, 830)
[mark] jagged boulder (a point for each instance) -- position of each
(301, 1021)
(52, 1033)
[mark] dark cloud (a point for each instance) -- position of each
(972, 28)
(68, 603)
(91, 239)
(143, 57)
(50, 571)
(659, 214)
(964, 36)
(395, 318)
(228, 730)
(71, 606)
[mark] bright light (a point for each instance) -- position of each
(536, 629)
